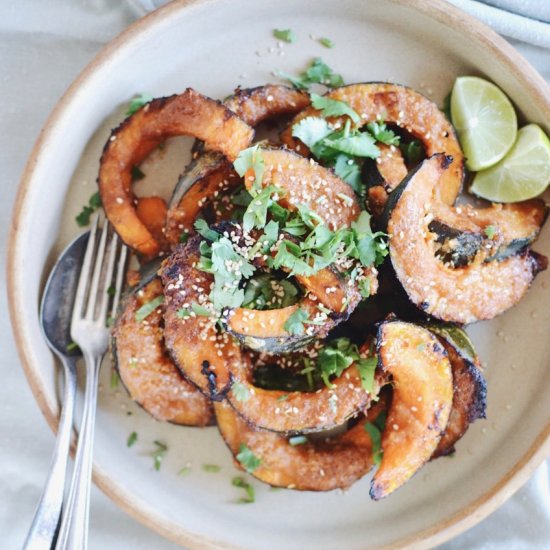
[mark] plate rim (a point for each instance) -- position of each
(446, 14)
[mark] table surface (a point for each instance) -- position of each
(43, 46)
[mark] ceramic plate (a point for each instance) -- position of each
(214, 46)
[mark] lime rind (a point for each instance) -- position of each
(522, 174)
(485, 121)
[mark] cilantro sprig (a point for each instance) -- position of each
(286, 35)
(94, 203)
(375, 429)
(248, 459)
(317, 73)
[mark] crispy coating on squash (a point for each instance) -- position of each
(421, 404)
(189, 113)
(396, 104)
(461, 295)
(317, 465)
(151, 378)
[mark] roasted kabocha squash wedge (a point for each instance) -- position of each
(210, 176)
(311, 465)
(297, 411)
(202, 353)
(304, 182)
(469, 386)
(189, 113)
(408, 109)
(421, 403)
(151, 378)
(469, 234)
(463, 294)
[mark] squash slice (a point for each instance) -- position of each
(407, 109)
(151, 378)
(461, 295)
(422, 399)
(469, 386)
(203, 355)
(296, 411)
(316, 465)
(189, 113)
(307, 183)
(210, 175)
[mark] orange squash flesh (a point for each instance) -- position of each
(461, 295)
(203, 355)
(151, 211)
(317, 465)
(308, 183)
(151, 378)
(189, 113)
(422, 399)
(295, 411)
(210, 174)
(408, 109)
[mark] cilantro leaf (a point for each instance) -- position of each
(412, 151)
(332, 107)
(382, 133)
(295, 323)
(287, 35)
(490, 231)
(359, 145)
(311, 130)
(137, 103)
(317, 73)
(248, 459)
(366, 368)
(289, 255)
(297, 440)
(211, 468)
(327, 42)
(146, 309)
(132, 438)
(240, 391)
(256, 212)
(83, 218)
(348, 169)
(202, 228)
(243, 484)
(376, 439)
(266, 292)
(158, 454)
(251, 160)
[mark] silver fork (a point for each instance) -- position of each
(89, 329)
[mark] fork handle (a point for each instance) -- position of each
(73, 533)
(45, 523)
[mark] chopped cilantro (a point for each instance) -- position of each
(283, 397)
(382, 133)
(132, 438)
(332, 107)
(240, 391)
(202, 229)
(317, 73)
(183, 313)
(200, 310)
(243, 484)
(250, 164)
(312, 130)
(360, 144)
(184, 237)
(146, 309)
(72, 346)
(265, 291)
(184, 471)
(248, 459)
(211, 468)
(295, 323)
(256, 212)
(297, 440)
(137, 103)
(287, 35)
(326, 42)
(137, 174)
(366, 368)
(158, 454)
(347, 168)
(412, 151)
(111, 291)
(490, 231)
(83, 218)
(375, 429)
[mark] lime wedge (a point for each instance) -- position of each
(484, 119)
(522, 174)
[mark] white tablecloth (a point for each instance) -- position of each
(43, 46)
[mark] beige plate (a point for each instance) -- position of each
(213, 46)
